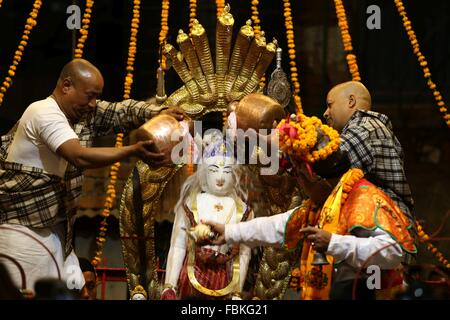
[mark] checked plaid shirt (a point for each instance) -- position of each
(372, 146)
(33, 198)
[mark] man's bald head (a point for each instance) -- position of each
(343, 100)
(358, 90)
(79, 85)
(80, 70)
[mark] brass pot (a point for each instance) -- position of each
(163, 130)
(258, 111)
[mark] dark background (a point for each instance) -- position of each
(387, 65)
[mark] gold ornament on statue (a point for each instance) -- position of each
(138, 293)
(237, 70)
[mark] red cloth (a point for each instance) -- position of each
(210, 275)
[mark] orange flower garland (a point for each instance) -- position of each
(84, 29)
(192, 13)
(298, 136)
(291, 50)
(1, 2)
(257, 29)
(164, 29)
(31, 23)
(347, 40)
(132, 48)
(255, 17)
(220, 5)
(109, 203)
(355, 176)
(424, 238)
(111, 190)
(422, 61)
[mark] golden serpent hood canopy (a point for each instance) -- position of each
(210, 86)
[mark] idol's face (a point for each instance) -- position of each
(219, 175)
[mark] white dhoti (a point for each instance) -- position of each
(35, 259)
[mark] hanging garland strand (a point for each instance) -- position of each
(132, 48)
(257, 29)
(291, 50)
(422, 61)
(111, 189)
(220, 5)
(31, 23)
(164, 30)
(84, 29)
(255, 17)
(1, 2)
(192, 13)
(347, 40)
(425, 238)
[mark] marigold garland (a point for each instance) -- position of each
(108, 205)
(257, 29)
(132, 49)
(255, 17)
(164, 30)
(220, 5)
(425, 238)
(347, 40)
(30, 24)
(1, 2)
(114, 169)
(298, 136)
(84, 29)
(291, 51)
(422, 61)
(192, 13)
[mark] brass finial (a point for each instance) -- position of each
(247, 28)
(197, 28)
(167, 48)
(226, 9)
(261, 39)
(226, 18)
(181, 36)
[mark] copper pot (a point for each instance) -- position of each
(161, 129)
(258, 111)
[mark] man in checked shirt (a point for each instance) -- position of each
(368, 138)
(42, 160)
